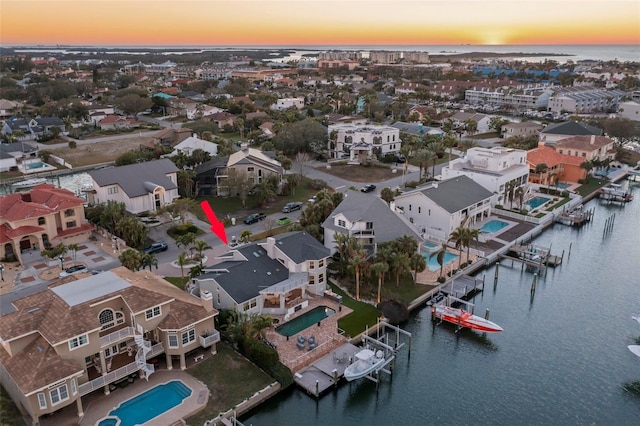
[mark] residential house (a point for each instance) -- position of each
(496, 169)
(17, 155)
(202, 111)
(584, 99)
(357, 120)
(142, 187)
(34, 128)
(417, 129)
(116, 122)
(629, 110)
(367, 218)
(589, 148)
(223, 119)
(287, 103)
(441, 206)
(179, 107)
(43, 217)
(81, 336)
(250, 161)
(360, 143)
(554, 132)
(557, 167)
(9, 108)
(192, 143)
(170, 137)
(481, 120)
(273, 277)
(524, 129)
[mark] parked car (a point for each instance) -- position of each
(289, 207)
(368, 188)
(156, 247)
(312, 199)
(253, 218)
(73, 270)
(283, 221)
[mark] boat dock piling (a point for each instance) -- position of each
(608, 225)
(535, 258)
(464, 285)
(575, 217)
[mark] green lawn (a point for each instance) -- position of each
(231, 379)
(592, 185)
(9, 413)
(363, 314)
(178, 281)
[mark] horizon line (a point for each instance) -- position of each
(308, 45)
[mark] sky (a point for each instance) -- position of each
(317, 22)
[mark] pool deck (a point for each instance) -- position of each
(97, 405)
(326, 335)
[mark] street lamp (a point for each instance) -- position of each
(61, 258)
(2, 273)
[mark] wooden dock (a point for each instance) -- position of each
(535, 258)
(575, 217)
(325, 373)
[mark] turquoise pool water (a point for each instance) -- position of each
(432, 262)
(536, 202)
(305, 320)
(493, 226)
(429, 245)
(33, 166)
(148, 405)
(563, 185)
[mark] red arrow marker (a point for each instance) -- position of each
(217, 227)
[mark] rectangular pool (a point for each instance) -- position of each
(493, 226)
(148, 405)
(305, 320)
(536, 201)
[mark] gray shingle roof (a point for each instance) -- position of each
(456, 193)
(300, 246)
(135, 179)
(359, 207)
(572, 128)
(246, 279)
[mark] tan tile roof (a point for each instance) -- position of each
(550, 157)
(183, 314)
(584, 143)
(37, 366)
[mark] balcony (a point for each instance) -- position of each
(206, 341)
(112, 376)
(116, 336)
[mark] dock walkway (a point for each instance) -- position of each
(326, 371)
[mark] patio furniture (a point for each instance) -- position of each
(300, 343)
(312, 342)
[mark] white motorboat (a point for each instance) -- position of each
(366, 362)
(636, 317)
(635, 349)
(27, 184)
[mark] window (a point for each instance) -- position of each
(106, 319)
(342, 223)
(312, 264)
(59, 394)
(584, 154)
(409, 207)
(76, 342)
(109, 352)
(69, 212)
(369, 225)
(112, 190)
(71, 224)
(152, 313)
(42, 401)
(320, 263)
(74, 388)
(173, 341)
(41, 221)
(419, 209)
(250, 169)
(249, 305)
(321, 278)
(188, 336)
(312, 279)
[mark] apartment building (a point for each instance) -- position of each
(81, 336)
(584, 99)
(360, 143)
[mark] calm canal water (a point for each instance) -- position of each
(562, 359)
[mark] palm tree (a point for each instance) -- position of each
(519, 194)
(387, 195)
(74, 248)
(182, 261)
(588, 166)
(472, 235)
(541, 169)
(201, 246)
(196, 271)
(399, 262)
(185, 181)
(264, 191)
(471, 126)
(439, 255)
(457, 237)
(150, 260)
(293, 180)
(379, 269)
(418, 264)
(186, 241)
(509, 192)
(131, 259)
(245, 236)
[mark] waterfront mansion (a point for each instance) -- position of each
(81, 336)
(359, 143)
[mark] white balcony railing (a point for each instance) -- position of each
(155, 350)
(112, 376)
(116, 336)
(209, 340)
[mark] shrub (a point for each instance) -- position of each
(524, 212)
(73, 144)
(441, 280)
(412, 184)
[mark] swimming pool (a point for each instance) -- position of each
(34, 166)
(432, 262)
(430, 247)
(305, 320)
(536, 202)
(148, 405)
(563, 185)
(493, 226)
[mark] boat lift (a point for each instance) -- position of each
(383, 342)
(449, 301)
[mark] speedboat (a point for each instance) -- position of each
(462, 318)
(635, 349)
(366, 362)
(27, 184)
(636, 317)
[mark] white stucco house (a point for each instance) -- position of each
(286, 103)
(192, 143)
(359, 143)
(142, 187)
(441, 206)
(493, 168)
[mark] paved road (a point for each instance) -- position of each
(97, 140)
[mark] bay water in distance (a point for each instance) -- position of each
(562, 358)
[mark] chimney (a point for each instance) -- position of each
(270, 248)
(244, 146)
(207, 300)
(434, 184)
(392, 206)
(593, 139)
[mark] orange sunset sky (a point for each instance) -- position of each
(318, 22)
